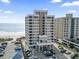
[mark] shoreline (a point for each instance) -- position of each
(11, 34)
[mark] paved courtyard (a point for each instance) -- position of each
(40, 55)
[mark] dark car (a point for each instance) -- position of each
(18, 48)
(52, 51)
(47, 53)
(1, 53)
(2, 47)
(17, 42)
(62, 50)
(54, 57)
(4, 43)
(28, 51)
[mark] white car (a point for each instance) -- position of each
(50, 58)
(67, 52)
(1, 53)
(33, 57)
(54, 57)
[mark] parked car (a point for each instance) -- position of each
(52, 51)
(29, 55)
(60, 47)
(67, 52)
(54, 57)
(17, 42)
(18, 48)
(1, 53)
(33, 57)
(75, 55)
(28, 51)
(50, 58)
(62, 50)
(47, 53)
(2, 47)
(4, 43)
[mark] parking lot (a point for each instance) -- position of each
(40, 55)
(8, 51)
(12, 51)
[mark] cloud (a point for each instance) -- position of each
(74, 3)
(8, 12)
(0, 10)
(72, 11)
(56, 1)
(5, 1)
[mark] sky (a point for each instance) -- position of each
(14, 11)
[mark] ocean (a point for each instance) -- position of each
(12, 27)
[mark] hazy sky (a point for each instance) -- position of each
(12, 11)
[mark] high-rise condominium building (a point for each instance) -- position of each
(38, 23)
(66, 27)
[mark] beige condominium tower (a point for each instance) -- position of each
(66, 27)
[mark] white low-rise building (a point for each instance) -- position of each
(44, 43)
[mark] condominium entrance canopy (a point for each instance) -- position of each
(43, 44)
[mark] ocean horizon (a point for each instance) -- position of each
(12, 27)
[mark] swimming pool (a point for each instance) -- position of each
(17, 55)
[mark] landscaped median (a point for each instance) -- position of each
(24, 49)
(74, 54)
(23, 46)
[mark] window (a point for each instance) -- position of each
(43, 33)
(30, 25)
(43, 25)
(30, 31)
(43, 18)
(30, 22)
(30, 40)
(51, 33)
(30, 34)
(49, 17)
(52, 26)
(35, 17)
(30, 37)
(41, 41)
(30, 19)
(30, 28)
(30, 16)
(34, 47)
(52, 18)
(30, 43)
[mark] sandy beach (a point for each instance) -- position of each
(10, 49)
(11, 34)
